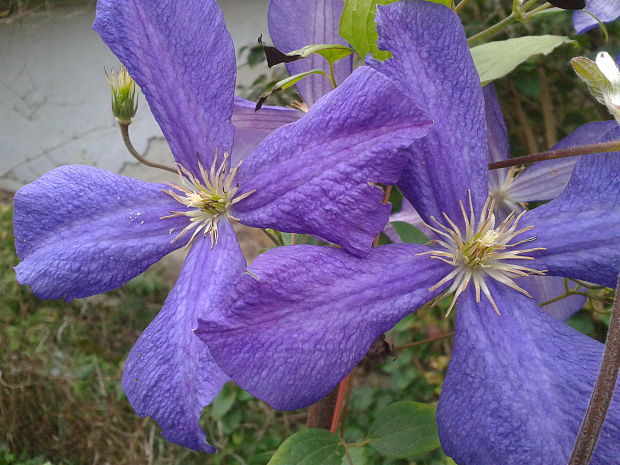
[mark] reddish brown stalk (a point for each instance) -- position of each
(386, 199)
(600, 147)
(320, 414)
(603, 391)
(343, 387)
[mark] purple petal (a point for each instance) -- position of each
(183, 59)
(432, 61)
(406, 214)
(546, 180)
(497, 133)
(251, 127)
(545, 288)
(304, 316)
(170, 374)
(518, 386)
(580, 230)
(294, 24)
(605, 10)
(313, 176)
(81, 231)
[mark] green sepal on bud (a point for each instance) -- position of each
(603, 79)
(124, 99)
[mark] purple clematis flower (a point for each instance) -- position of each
(81, 230)
(519, 380)
(605, 10)
(512, 188)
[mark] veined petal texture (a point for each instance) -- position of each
(314, 175)
(183, 59)
(304, 316)
(80, 231)
(518, 386)
(170, 374)
(293, 24)
(580, 230)
(251, 127)
(497, 134)
(433, 65)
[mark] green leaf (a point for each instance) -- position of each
(357, 456)
(331, 52)
(223, 403)
(309, 447)
(404, 429)
(357, 26)
(409, 233)
(447, 3)
(496, 59)
(286, 83)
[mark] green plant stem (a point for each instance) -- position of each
(124, 127)
(492, 30)
(602, 393)
(462, 4)
(588, 149)
(332, 75)
(365, 442)
(517, 14)
(425, 341)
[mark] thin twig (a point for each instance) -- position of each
(125, 134)
(321, 413)
(458, 8)
(425, 341)
(588, 149)
(603, 392)
(386, 199)
(343, 387)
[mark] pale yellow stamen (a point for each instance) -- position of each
(208, 198)
(480, 251)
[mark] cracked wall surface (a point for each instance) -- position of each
(54, 101)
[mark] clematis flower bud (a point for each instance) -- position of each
(124, 100)
(603, 79)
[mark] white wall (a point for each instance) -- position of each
(54, 101)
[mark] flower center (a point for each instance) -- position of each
(480, 252)
(207, 198)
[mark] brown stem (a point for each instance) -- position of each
(326, 413)
(321, 413)
(603, 391)
(343, 388)
(125, 134)
(386, 198)
(425, 341)
(588, 149)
